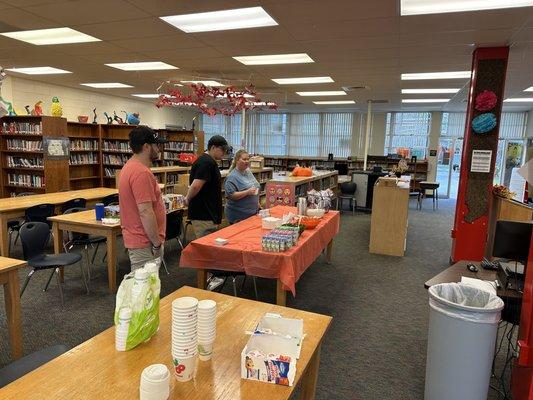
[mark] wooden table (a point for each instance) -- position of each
(95, 370)
(14, 207)
(9, 278)
(85, 222)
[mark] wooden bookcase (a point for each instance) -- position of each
(180, 142)
(114, 142)
(85, 155)
(24, 165)
(167, 176)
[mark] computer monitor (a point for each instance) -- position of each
(512, 239)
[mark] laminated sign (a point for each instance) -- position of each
(481, 160)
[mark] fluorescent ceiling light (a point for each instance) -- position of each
(300, 58)
(51, 36)
(335, 102)
(425, 100)
(428, 91)
(142, 66)
(39, 71)
(436, 75)
(149, 95)
(529, 89)
(323, 93)
(239, 18)
(106, 85)
(519, 100)
(295, 81)
(205, 83)
(416, 7)
(260, 103)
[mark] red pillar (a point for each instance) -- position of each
(469, 234)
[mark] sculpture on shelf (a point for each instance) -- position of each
(56, 110)
(132, 119)
(5, 106)
(28, 111)
(117, 118)
(38, 108)
(109, 119)
(95, 117)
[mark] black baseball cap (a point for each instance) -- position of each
(142, 134)
(218, 141)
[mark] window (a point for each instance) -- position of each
(266, 133)
(407, 134)
(304, 135)
(337, 134)
(229, 127)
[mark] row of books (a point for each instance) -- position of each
(179, 146)
(116, 159)
(84, 158)
(116, 145)
(27, 145)
(170, 156)
(80, 144)
(26, 162)
(27, 180)
(22, 128)
(109, 172)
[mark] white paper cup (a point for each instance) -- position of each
(154, 395)
(206, 330)
(207, 304)
(185, 303)
(205, 350)
(184, 368)
(155, 383)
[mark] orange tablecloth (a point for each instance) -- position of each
(243, 251)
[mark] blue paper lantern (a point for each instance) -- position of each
(484, 123)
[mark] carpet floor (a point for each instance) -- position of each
(376, 347)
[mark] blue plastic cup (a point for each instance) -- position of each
(99, 211)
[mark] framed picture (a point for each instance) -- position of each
(56, 148)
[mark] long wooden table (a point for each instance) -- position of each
(85, 222)
(95, 370)
(14, 207)
(9, 279)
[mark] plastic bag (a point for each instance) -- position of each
(142, 297)
(466, 302)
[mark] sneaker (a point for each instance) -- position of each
(214, 282)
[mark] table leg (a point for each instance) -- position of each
(310, 377)
(281, 294)
(57, 235)
(329, 252)
(12, 301)
(112, 261)
(4, 237)
(201, 277)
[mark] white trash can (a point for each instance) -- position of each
(463, 324)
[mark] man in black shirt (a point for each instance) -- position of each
(204, 197)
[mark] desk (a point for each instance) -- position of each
(95, 370)
(244, 253)
(85, 222)
(9, 278)
(14, 207)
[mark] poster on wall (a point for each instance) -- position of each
(56, 148)
(481, 161)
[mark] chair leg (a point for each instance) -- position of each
(179, 242)
(48, 282)
(437, 197)
(243, 282)
(163, 260)
(94, 254)
(233, 279)
(30, 274)
(58, 278)
(255, 287)
(83, 272)
(10, 234)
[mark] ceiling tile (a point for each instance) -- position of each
(129, 29)
(168, 42)
(23, 20)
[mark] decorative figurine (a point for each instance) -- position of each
(95, 117)
(132, 119)
(109, 119)
(117, 118)
(56, 110)
(38, 108)
(28, 111)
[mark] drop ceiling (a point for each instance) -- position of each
(356, 42)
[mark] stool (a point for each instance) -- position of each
(425, 185)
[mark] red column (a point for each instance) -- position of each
(489, 66)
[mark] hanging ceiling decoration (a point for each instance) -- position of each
(211, 101)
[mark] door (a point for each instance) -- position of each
(449, 165)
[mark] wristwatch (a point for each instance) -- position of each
(156, 247)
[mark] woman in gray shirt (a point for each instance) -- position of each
(242, 189)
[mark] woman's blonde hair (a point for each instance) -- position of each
(237, 157)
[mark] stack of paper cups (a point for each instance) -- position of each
(207, 326)
(155, 383)
(184, 337)
(121, 329)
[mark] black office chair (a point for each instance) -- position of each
(112, 199)
(40, 213)
(347, 193)
(17, 369)
(173, 231)
(74, 203)
(14, 226)
(84, 240)
(34, 237)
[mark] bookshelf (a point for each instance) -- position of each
(116, 151)
(85, 156)
(179, 141)
(24, 166)
(167, 176)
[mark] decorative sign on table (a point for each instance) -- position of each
(56, 148)
(481, 161)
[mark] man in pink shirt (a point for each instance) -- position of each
(142, 211)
